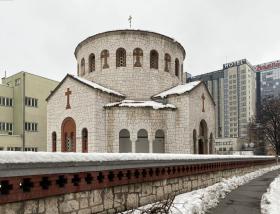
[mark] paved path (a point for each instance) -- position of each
(246, 199)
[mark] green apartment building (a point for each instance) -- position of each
(23, 112)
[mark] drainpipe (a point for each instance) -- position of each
(23, 112)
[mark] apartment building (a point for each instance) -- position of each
(23, 112)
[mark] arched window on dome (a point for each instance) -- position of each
(154, 59)
(83, 66)
(167, 60)
(84, 140)
(177, 67)
(137, 57)
(54, 142)
(91, 63)
(104, 59)
(120, 57)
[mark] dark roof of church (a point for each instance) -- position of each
(87, 83)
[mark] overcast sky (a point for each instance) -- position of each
(40, 36)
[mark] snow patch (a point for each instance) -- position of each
(180, 89)
(133, 103)
(53, 157)
(270, 200)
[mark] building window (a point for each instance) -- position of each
(17, 81)
(54, 141)
(83, 67)
(104, 59)
(6, 101)
(167, 62)
(120, 57)
(84, 140)
(31, 127)
(137, 57)
(91, 63)
(78, 69)
(154, 59)
(6, 127)
(31, 102)
(177, 67)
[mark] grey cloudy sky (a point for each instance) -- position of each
(39, 36)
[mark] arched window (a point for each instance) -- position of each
(83, 66)
(125, 144)
(154, 59)
(104, 59)
(54, 141)
(78, 69)
(84, 140)
(177, 67)
(142, 142)
(182, 72)
(194, 142)
(137, 57)
(91, 63)
(167, 60)
(211, 144)
(120, 57)
(158, 145)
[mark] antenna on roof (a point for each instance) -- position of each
(129, 19)
(5, 74)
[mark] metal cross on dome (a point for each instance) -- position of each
(129, 19)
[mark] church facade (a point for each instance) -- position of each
(129, 96)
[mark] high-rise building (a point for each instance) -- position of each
(268, 81)
(23, 112)
(234, 91)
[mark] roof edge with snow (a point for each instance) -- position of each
(140, 104)
(88, 83)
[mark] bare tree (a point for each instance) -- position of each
(269, 123)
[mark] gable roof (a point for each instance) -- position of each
(182, 89)
(88, 83)
(179, 89)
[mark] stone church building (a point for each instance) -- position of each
(129, 96)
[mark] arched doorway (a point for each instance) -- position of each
(125, 144)
(68, 135)
(158, 145)
(202, 139)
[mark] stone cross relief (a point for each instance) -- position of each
(203, 99)
(68, 93)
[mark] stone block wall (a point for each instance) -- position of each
(119, 198)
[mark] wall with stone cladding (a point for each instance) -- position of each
(136, 83)
(196, 114)
(86, 110)
(134, 119)
(120, 198)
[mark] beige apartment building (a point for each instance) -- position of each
(23, 112)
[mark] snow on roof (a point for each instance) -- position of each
(180, 89)
(139, 104)
(95, 85)
(53, 157)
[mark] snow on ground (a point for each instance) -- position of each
(41, 157)
(201, 200)
(270, 203)
(133, 103)
(180, 89)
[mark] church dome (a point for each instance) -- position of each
(136, 63)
